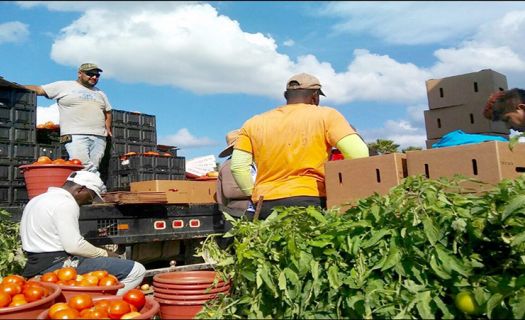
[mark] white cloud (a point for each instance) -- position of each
(44, 114)
(184, 139)
(289, 43)
(13, 31)
(412, 22)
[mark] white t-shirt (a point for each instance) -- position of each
(81, 109)
(50, 223)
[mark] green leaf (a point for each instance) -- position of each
(376, 236)
(515, 204)
(518, 239)
(493, 302)
(423, 305)
(333, 277)
(518, 306)
(431, 231)
(440, 272)
(394, 256)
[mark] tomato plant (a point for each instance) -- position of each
(406, 254)
(135, 297)
(12, 258)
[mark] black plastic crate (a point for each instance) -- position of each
(51, 151)
(5, 150)
(23, 151)
(24, 116)
(119, 132)
(118, 116)
(148, 121)
(5, 113)
(133, 118)
(148, 136)
(19, 133)
(24, 99)
(14, 193)
(47, 136)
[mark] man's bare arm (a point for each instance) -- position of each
(38, 89)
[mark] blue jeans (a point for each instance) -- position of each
(87, 148)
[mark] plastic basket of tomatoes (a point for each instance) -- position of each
(45, 173)
(132, 305)
(95, 283)
(23, 299)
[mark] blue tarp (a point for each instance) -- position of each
(458, 137)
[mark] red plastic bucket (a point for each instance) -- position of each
(32, 309)
(94, 291)
(170, 309)
(40, 177)
(148, 311)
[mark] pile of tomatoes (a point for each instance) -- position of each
(15, 290)
(82, 306)
(50, 125)
(68, 276)
(59, 161)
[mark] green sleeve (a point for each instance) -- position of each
(353, 147)
(240, 167)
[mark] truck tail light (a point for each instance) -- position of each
(177, 224)
(159, 225)
(195, 223)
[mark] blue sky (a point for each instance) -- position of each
(203, 68)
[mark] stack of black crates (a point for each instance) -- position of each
(22, 143)
(127, 160)
(18, 144)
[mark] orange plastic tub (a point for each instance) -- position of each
(40, 177)
(32, 309)
(94, 291)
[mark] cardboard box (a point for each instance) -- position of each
(180, 191)
(353, 179)
(489, 162)
(467, 117)
(473, 87)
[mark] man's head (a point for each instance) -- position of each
(231, 138)
(88, 74)
(85, 186)
(507, 106)
(303, 88)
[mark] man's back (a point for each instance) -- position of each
(290, 145)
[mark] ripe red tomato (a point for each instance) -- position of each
(99, 314)
(59, 161)
(13, 278)
(44, 160)
(11, 288)
(34, 293)
(76, 161)
(102, 305)
(49, 277)
(57, 307)
(67, 273)
(16, 303)
(98, 273)
(5, 299)
(108, 281)
(118, 308)
(135, 297)
(68, 313)
(80, 301)
(131, 315)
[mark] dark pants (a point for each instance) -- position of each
(303, 201)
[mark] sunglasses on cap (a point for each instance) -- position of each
(92, 74)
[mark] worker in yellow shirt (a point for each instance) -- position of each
(290, 145)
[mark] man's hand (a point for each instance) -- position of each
(112, 254)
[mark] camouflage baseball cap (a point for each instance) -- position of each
(88, 67)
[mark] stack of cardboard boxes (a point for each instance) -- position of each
(457, 102)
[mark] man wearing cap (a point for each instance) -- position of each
(85, 115)
(290, 145)
(51, 238)
(229, 197)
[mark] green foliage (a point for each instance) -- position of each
(403, 255)
(383, 146)
(411, 148)
(12, 258)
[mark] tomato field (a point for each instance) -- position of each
(425, 250)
